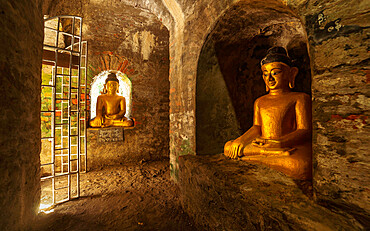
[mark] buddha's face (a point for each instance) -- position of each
(276, 75)
(112, 87)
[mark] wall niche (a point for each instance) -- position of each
(229, 78)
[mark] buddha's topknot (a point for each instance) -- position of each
(277, 54)
(111, 77)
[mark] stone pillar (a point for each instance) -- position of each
(21, 29)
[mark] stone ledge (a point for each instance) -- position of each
(223, 194)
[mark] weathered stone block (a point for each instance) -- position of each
(104, 148)
(224, 194)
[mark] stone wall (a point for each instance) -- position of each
(115, 149)
(77, 7)
(141, 40)
(134, 41)
(21, 28)
(338, 46)
(340, 87)
(337, 43)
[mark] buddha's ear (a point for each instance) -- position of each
(266, 85)
(104, 89)
(293, 74)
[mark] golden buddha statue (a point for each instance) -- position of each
(281, 133)
(110, 107)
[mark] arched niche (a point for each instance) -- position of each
(228, 73)
(97, 86)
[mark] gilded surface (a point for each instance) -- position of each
(281, 133)
(110, 107)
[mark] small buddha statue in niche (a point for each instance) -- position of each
(110, 107)
(281, 133)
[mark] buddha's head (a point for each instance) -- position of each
(277, 70)
(111, 84)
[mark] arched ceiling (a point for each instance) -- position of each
(159, 8)
(248, 19)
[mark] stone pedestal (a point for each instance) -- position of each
(223, 194)
(109, 146)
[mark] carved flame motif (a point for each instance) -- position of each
(109, 61)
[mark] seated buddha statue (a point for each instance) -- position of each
(281, 133)
(110, 107)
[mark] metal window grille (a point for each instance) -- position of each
(63, 110)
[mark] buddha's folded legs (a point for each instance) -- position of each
(297, 165)
(124, 122)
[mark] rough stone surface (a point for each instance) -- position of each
(132, 40)
(20, 71)
(340, 88)
(223, 194)
(337, 38)
(77, 7)
(102, 154)
(337, 35)
(130, 197)
(138, 37)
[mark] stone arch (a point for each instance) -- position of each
(228, 72)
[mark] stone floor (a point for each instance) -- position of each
(217, 193)
(127, 197)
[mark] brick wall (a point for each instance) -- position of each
(134, 41)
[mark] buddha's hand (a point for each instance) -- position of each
(236, 149)
(267, 143)
(112, 117)
(99, 120)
